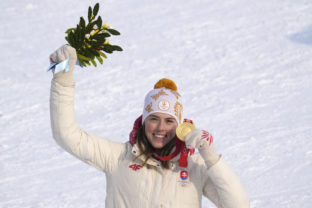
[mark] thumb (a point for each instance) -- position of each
(63, 53)
(192, 139)
(72, 54)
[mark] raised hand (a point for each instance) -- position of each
(203, 141)
(61, 54)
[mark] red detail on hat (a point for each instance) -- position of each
(135, 167)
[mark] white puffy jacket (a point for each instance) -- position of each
(129, 185)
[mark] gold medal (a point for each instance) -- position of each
(183, 129)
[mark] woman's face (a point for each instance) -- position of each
(160, 128)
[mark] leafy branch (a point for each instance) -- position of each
(90, 40)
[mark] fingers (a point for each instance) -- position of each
(63, 53)
(59, 55)
(71, 51)
(72, 56)
(207, 136)
(198, 139)
(193, 138)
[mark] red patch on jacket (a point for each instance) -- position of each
(184, 175)
(135, 167)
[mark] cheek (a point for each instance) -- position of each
(149, 128)
(173, 131)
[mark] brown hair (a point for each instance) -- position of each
(148, 150)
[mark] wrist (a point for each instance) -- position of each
(209, 155)
(64, 78)
(213, 159)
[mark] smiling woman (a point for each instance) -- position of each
(160, 119)
(160, 129)
(156, 137)
(154, 168)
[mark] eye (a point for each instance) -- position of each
(170, 121)
(153, 119)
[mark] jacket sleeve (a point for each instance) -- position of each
(98, 152)
(223, 188)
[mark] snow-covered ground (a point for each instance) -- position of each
(243, 66)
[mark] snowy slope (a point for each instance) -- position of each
(243, 68)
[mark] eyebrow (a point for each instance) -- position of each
(154, 116)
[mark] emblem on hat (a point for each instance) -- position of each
(157, 95)
(149, 108)
(178, 108)
(164, 105)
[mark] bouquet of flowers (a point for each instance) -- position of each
(90, 40)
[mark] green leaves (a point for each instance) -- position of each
(82, 22)
(89, 14)
(113, 32)
(90, 39)
(96, 9)
(99, 22)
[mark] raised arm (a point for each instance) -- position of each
(98, 152)
(220, 184)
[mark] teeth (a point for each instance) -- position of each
(159, 136)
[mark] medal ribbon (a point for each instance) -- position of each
(179, 146)
(183, 156)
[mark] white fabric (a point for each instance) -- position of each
(163, 100)
(128, 184)
(64, 52)
(203, 141)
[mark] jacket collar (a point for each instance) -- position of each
(135, 151)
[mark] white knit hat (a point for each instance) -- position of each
(164, 98)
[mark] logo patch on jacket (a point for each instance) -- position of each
(184, 175)
(135, 167)
(184, 178)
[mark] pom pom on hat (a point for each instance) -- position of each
(164, 98)
(167, 83)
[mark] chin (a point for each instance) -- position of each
(158, 146)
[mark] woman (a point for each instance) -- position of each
(153, 169)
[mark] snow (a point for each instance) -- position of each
(243, 68)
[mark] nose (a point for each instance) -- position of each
(161, 126)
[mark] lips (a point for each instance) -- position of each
(159, 136)
(159, 140)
